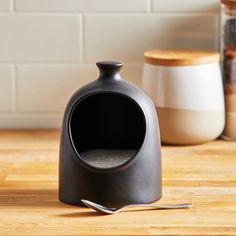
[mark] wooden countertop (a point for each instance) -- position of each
(204, 175)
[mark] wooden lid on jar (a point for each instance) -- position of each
(229, 2)
(181, 57)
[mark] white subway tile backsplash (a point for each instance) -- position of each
(126, 37)
(81, 5)
(32, 38)
(49, 86)
(189, 6)
(6, 89)
(30, 120)
(132, 73)
(48, 48)
(5, 5)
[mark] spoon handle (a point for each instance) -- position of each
(162, 206)
(174, 206)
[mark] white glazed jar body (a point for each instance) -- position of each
(189, 101)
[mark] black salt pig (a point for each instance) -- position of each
(110, 113)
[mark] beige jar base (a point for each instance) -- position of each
(185, 127)
(230, 126)
(230, 121)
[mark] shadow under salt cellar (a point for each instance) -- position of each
(110, 143)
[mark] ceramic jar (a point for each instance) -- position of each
(186, 87)
(228, 48)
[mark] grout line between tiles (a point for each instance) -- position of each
(82, 42)
(32, 113)
(83, 12)
(149, 6)
(90, 63)
(40, 62)
(12, 6)
(130, 14)
(170, 14)
(14, 89)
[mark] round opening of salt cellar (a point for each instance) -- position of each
(186, 87)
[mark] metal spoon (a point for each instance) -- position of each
(109, 211)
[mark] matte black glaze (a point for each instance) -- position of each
(110, 113)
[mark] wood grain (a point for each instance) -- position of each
(204, 175)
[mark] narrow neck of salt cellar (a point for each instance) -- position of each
(109, 70)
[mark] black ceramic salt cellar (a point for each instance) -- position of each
(108, 119)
